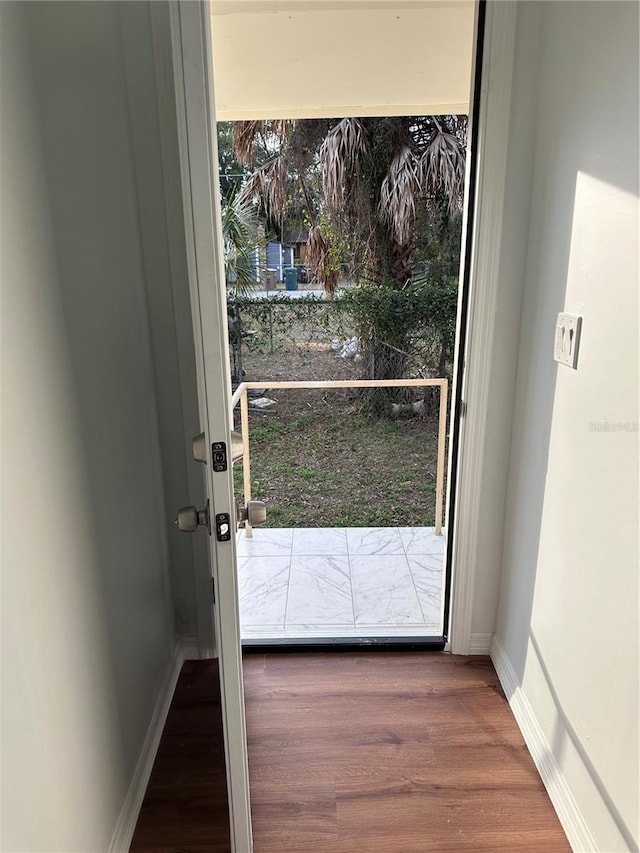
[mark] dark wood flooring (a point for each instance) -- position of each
(355, 753)
(185, 807)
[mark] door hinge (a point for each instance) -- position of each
(463, 408)
(213, 590)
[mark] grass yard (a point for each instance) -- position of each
(320, 460)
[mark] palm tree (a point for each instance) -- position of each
(363, 180)
(241, 240)
(366, 187)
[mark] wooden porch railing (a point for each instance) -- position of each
(240, 396)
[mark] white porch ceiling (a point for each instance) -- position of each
(309, 58)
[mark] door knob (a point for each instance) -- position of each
(189, 519)
(254, 512)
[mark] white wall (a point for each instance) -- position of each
(567, 622)
(87, 627)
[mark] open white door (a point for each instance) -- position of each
(198, 158)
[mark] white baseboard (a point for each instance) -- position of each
(563, 801)
(480, 643)
(130, 811)
(190, 648)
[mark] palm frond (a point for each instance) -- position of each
(240, 230)
(244, 138)
(268, 184)
(247, 134)
(340, 152)
(319, 259)
(281, 128)
(441, 167)
(397, 206)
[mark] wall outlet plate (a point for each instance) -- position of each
(567, 339)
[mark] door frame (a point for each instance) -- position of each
(470, 430)
(471, 387)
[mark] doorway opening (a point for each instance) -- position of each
(342, 254)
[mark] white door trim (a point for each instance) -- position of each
(493, 135)
(193, 75)
(493, 132)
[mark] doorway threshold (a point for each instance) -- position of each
(343, 644)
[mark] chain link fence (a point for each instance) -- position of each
(314, 337)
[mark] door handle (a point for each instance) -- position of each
(254, 512)
(189, 519)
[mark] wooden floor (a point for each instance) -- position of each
(377, 753)
(185, 807)
(355, 753)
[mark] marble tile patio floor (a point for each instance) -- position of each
(340, 582)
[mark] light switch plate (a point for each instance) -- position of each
(567, 340)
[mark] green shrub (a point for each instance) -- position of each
(416, 324)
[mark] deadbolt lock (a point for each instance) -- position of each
(218, 450)
(199, 448)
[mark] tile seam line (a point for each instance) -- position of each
(353, 602)
(286, 604)
(413, 580)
